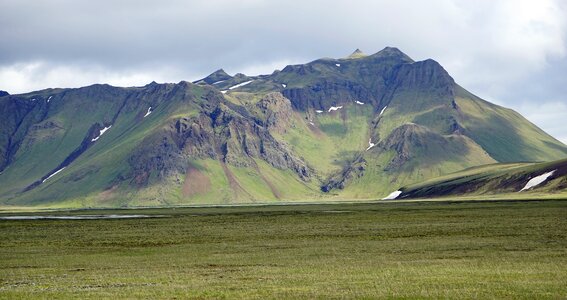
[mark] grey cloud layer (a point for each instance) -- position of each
(508, 51)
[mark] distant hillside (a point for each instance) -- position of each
(358, 127)
(514, 180)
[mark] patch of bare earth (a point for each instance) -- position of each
(108, 195)
(196, 182)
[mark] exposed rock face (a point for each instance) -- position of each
(159, 157)
(383, 77)
(327, 93)
(222, 134)
(352, 171)
(15, 125)
(404, 139)
(427, 75)
(275, 111)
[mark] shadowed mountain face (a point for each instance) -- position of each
(513, 180)
(353, 128)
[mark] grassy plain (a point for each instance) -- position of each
(457, 250)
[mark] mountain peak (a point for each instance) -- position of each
(392, 52)
(216, 76)
(357, 54)
(220, 72)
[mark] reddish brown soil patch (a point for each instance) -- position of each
(108, 194)
(195, 182)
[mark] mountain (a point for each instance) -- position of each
(353, 128)
(357, 54)
(511, 180)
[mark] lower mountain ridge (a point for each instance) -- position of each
(358, 127)
(510, 181)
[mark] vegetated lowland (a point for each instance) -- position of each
(456, 250)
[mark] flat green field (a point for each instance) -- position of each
(457, 250)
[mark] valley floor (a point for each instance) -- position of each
(500, 249)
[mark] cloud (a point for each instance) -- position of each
(499, 50)
(38, 75)
(548, 115)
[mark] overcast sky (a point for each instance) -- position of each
(513, 53)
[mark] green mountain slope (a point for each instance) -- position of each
(511, 180)
(352, 128)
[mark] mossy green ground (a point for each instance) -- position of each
(456, 250)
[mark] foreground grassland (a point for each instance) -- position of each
(385, 250)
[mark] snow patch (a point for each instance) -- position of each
(393, 195)
(284, 85)
(359, 103)
(240, 84)
(319, 111)
(383, 109)
(338, 65)
(102, 131)
(224, 92)
(335, 108)
(54, 173)
(311, 123)
(32, 99)
(49, 98)
(221, 81)
(149, 112)
(537, 180)
(370, 144)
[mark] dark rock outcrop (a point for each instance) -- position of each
(275, 111)
(15, 126)
(350, 172)
(222, 134)
(327, 93)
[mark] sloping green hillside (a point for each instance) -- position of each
(352, 128)
(512, 180)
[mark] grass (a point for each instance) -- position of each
(507, 249)
(334, 141)
(501, 181)
(498, 129)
